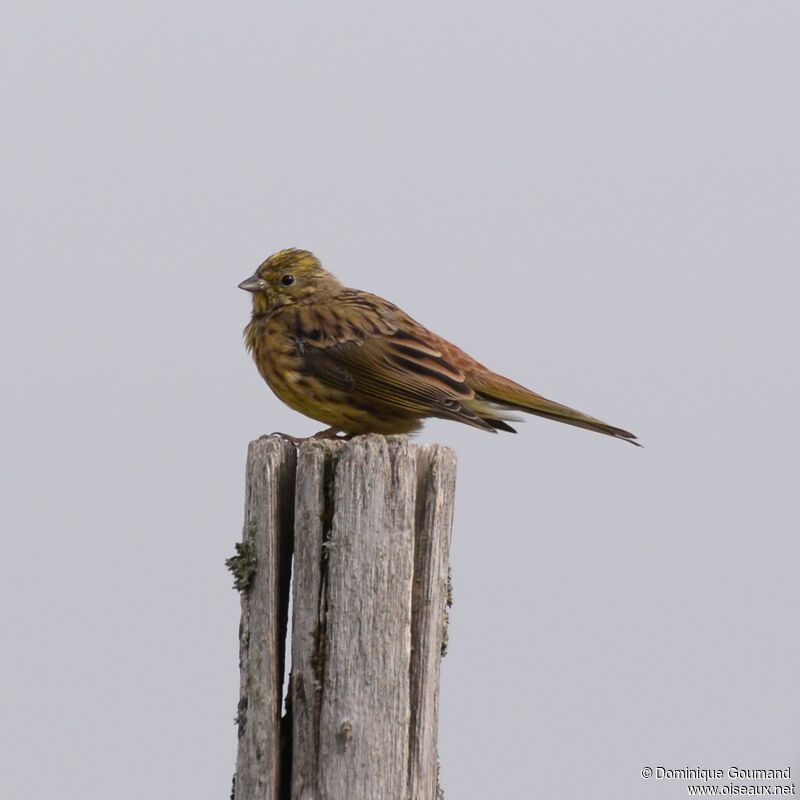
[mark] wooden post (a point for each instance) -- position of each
(262, 571)
(371, 519)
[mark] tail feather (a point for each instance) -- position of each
(503, 392)
(499, 424)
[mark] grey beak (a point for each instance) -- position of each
(255, 283)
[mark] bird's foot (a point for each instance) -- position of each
(295, 440)
(333, 433)
(329, 433)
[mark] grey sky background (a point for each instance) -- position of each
(599, 200)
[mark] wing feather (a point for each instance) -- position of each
(367, 346)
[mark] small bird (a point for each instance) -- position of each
(360, 364)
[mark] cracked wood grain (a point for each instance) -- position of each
(263, 573)
(372, 526)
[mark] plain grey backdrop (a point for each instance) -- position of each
(600, 200)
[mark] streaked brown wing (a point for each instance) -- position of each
(363, 344)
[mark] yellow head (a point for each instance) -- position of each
(286, 277)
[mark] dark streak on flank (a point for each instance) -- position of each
(428, 372)
(415, 353)
(409, 337)
(298, 325)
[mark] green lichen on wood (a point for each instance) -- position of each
(240, 720)
(448, 604)
(243, 565)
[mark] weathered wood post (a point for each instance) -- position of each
(370, 522)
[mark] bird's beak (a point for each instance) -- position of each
(255, 283)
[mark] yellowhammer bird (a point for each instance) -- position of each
(361, 365)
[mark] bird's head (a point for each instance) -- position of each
(287, 277)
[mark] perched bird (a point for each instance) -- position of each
(361, 365)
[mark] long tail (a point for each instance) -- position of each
(495, 389)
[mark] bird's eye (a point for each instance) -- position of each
(287, 280)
